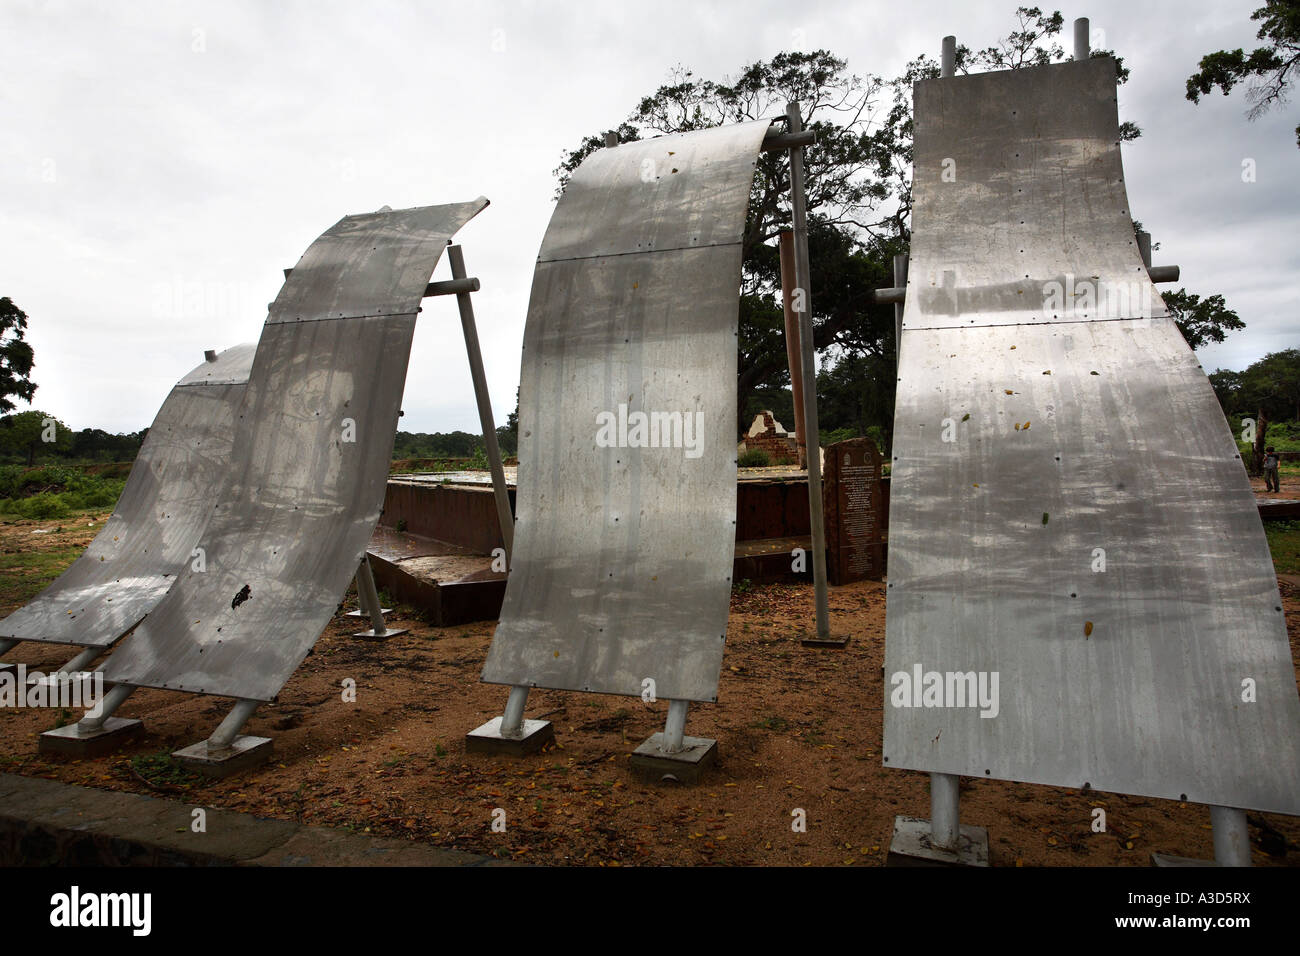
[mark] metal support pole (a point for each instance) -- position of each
(789, 282)
(944, 810)
(83, 660)
(504, 515)
(107, 707)
(900, 282)
(1144, 247)
(808, 359)
(368, 595)
(675, 726)
(512, 721)
(1231, 836)
(229, 728)
(1081, 42)
(948, 61)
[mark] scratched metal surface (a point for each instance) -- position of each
(1127, 679)
(286, 536)
(622, 557)
(167, 500)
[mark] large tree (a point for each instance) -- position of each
(16, 358)
(859, 185)
(1270, 69)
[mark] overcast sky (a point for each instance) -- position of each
(160, 163)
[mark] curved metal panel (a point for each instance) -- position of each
(313, 440)
(151, 534)
(622, 558)
(1069, 514)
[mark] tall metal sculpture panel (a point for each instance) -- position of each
(312, 446)
(625, 527)
(166, 502)
(1069, 512)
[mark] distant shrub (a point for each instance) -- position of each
(754, 458)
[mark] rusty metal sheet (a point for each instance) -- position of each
(167, 500)
(1068, 510)
(313, 441)
(624, 540)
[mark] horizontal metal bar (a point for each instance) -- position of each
(774, 141)
(445, 287)
(896, 296)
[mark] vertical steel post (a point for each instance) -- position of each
(808, 359)
(900, 282)
(368, 595)
(1081, 42)
(1231, 836)
(944, 810)
(1144, 247)
(504, 515)
(512, 721)
(229, 728)
(793, 353)
(675, 726)
(948, 59)
(83, 660)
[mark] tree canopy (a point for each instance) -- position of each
(16, 357)
(1269, 69)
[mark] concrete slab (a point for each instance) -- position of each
(45, 822)
(71, 741)
(244, 753)
(488, 739)
(685, 766)
(911, 846)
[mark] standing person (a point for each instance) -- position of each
(1270, 470)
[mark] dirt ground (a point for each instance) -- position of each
(797, 729)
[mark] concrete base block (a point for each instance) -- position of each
(686, 766)
(1166, 859)
(911, 846)
(488, 739)
(374, 635)
(366, 614)
(244, 753)
(832, 642)
(71, 741)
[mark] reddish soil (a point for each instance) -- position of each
(797, 729)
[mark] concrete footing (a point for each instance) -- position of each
(832, 642)
(244, 753)
(488, 739)
(72, 741)
(911, 846)
(685, 766)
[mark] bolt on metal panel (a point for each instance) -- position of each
(313, 441)
(166, 501)
(1069, 515)
(624, 539)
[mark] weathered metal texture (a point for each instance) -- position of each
(313, 440)
(1069, 437)
(622, 562)
(166, 502)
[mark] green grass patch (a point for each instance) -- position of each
(160, 770)
(1284, 542)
